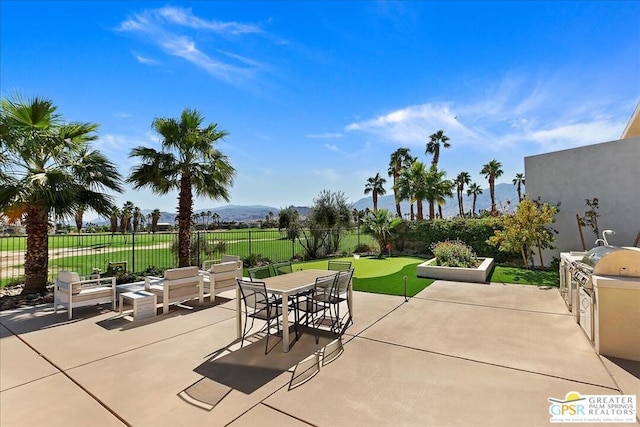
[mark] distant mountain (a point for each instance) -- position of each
(252, 213)
(240, 213)
(504, 192)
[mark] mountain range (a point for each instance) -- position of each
(250, 213)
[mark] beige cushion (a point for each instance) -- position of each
(229, 258)
(180, 273)
(68, 276)
(224, 267)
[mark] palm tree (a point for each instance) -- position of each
(125, 217)
(474, 190)
(437, 190)
(375, 186)
(114, 215)
(400, 160)
(518, 181)
(48, 168)
(461, 180)
(414, 184)
(155, 217)
(381, 224)
(491, 171)
(188, 161)
(406, 190)
(433, 146)
(208, 216)
(137, 216)
(78, 217)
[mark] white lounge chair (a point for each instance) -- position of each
(177, 285)
(71, 291)
(221, 275)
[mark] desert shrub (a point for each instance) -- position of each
(362, 248)
(454, 253)
(255, 260)
(153, 271)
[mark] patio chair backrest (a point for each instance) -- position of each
(344, 279)
(229, 258)
(339, 265)
(72, 279)
(325, 286)
(180, 273)
(282, 268)
(254, 295)
(262, 272)
(68, 276)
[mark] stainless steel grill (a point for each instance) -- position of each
(616, 263)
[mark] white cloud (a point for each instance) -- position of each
(185, 17)
(411, 125)
(516, 113)
(122, 115)
(332, 147)
(178, 32)
(144, 60)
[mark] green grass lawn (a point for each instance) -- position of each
(386, 275)
(524, 276)
(380, 275)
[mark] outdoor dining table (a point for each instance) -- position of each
(286, 285)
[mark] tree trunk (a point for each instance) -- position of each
(185, 200)
(36, 262)
(492, 192)
(420, 212)
(540, 255)
(524, 257)
(412, 212)
(440, 210)
(473, 209)
(432, 212)
(395, 193)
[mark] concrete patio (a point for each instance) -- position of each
(455, 354)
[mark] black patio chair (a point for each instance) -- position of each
(259, 305)
(262, 272)
(282, 268)
(316, 304)
(339, 265)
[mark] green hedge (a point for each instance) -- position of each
(416, 237)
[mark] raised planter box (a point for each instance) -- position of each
(480, 274)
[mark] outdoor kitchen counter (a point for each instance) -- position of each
(617, 316)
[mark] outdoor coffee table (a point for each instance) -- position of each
(143, 302)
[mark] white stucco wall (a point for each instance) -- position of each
(609, 171)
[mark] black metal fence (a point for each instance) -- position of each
(86, 253)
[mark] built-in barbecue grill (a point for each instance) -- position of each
(613, 261)
(607, 264)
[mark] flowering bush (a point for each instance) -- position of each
(454, 253)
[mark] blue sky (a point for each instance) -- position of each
(317, 95)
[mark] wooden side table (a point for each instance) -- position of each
(143, 302)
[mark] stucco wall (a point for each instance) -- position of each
(609, 171)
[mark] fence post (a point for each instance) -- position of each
(198, 246)
(133, 252)
(250, 249)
